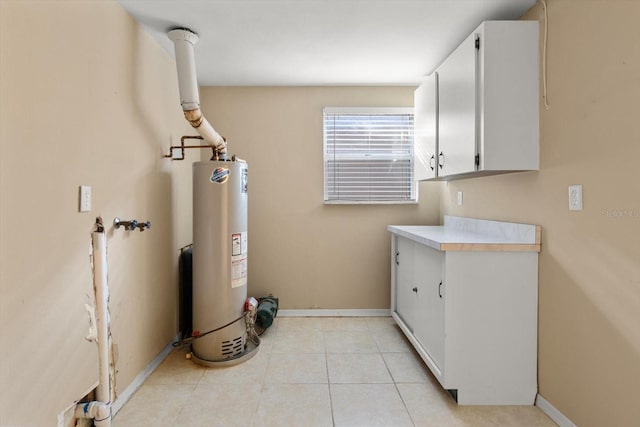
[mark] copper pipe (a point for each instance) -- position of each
(182, 147)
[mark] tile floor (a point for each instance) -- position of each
(313, 372)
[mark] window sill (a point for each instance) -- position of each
(369, 202)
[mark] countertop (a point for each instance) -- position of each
(470, 234)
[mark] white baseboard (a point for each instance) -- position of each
(141, 378)
(551, 411)
(319, 312)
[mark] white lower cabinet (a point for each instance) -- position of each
(472, 317)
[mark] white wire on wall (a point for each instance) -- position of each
(544, 56)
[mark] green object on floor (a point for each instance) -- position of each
(267, 311)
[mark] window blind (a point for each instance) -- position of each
(368, 155)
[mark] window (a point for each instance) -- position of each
(368, 155)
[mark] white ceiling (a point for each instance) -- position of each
(319, 42)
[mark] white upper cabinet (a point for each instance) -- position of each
(486, 105)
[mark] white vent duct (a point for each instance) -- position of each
(183, 40)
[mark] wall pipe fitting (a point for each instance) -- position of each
(99, 411)
(183, 41)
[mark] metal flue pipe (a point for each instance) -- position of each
(183, 41)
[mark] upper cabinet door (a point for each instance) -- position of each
(425, 101)
(457, 87)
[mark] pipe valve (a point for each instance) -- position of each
(131, 225)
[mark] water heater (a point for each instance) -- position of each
(219, 288)
(220, 262)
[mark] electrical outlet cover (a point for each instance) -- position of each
(575, 197)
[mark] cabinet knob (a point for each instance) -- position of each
(415, 290)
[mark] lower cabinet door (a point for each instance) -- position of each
(429, 324)
(406, 301)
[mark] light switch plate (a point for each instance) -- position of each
(85, 198)
(459, 198)
(575, 197)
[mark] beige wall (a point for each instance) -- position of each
(309, 254)
(86, 98)
(589, 339)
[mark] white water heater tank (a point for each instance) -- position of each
(219, 259)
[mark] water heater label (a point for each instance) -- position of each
(219, 175)
(238, 272)
(239, 244)
(238, 259)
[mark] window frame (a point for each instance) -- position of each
(325, 157)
